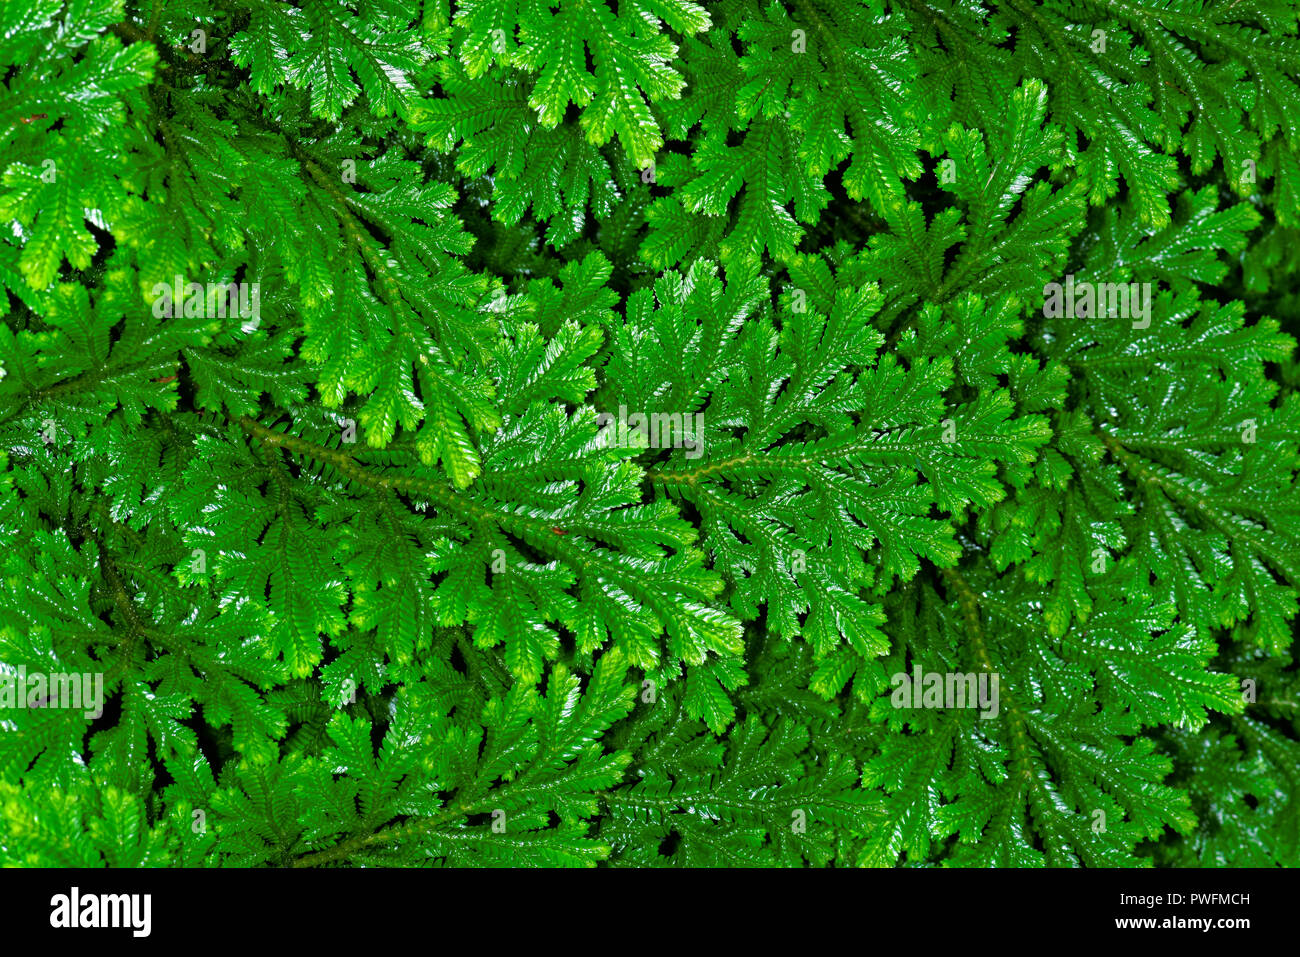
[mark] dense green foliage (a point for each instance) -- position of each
(369, 578)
